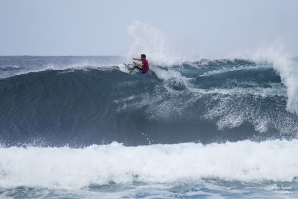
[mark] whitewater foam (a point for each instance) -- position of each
(67, 168)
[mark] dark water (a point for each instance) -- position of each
(207, 116)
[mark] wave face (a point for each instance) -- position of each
(77, 127)
(80, 101)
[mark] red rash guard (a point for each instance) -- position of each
(145, 67)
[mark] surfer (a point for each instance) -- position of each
(143, 67)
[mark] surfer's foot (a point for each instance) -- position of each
(128, 68)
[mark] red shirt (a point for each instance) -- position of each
(145, 67)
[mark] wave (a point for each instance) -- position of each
(67, 168)
(95, 104)
(146, 38)
(19, 65)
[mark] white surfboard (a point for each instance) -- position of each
(123, 67)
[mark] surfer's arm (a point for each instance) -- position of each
(136, 59)
(138, 64)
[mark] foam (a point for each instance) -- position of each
(233, 110)
(273, 91)
(172, 76)
(67, 168)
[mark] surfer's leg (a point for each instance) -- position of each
(139, 68)
(135, 67)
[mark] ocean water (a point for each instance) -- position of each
(77, 127)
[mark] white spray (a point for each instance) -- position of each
(283, 63)
(144, 38)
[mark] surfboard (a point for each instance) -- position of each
(123, 67)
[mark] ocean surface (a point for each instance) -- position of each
(77, 127)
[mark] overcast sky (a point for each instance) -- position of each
(100, 27)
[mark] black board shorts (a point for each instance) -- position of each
(140, 69)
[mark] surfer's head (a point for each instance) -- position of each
(143, 56)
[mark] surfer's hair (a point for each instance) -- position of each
(143, 56)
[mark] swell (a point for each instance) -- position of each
(170, 105)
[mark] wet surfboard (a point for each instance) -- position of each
(123, 67)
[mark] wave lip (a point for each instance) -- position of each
(18, 65)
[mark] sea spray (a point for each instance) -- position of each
(147, 39)
(283, 63)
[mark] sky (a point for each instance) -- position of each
(100, 27)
